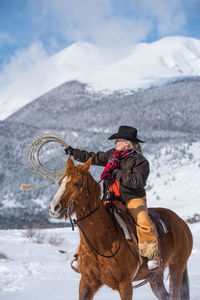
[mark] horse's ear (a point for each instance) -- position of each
(87, 165)
(70, 163)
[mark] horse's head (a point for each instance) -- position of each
(73, 190)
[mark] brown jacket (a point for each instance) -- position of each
(132, 175)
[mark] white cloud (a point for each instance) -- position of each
(21, 77)
(102, 23)
(5, 39)
(23, 60)
(94, 21)
(169, 16)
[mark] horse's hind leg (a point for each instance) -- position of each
(125, 290)
(185, 290)
(176, 279)
(158, 287)
(87, 291)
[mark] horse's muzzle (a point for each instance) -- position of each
(55, 211)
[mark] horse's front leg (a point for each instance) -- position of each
(125, 290)
(87, 290)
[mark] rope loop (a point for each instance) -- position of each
(34, 164)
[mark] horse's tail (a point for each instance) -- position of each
(185, 290)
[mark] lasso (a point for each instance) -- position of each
(34, 165)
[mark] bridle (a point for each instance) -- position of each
(76, 222)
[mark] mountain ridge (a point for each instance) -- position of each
(141, 66)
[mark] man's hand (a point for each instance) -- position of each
(69, 150)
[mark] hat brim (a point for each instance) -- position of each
(122, 136)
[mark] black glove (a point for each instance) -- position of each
(69, 150)
(114, 173)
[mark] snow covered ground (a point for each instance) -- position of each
(40, 271)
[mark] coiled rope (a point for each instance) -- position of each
(35, 166)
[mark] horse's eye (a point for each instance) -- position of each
(78, 183)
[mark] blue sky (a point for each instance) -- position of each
(113, 23)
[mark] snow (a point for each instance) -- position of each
(175, 180)
(32, 73)
(9, 201)
(35, 268)
(40, 271)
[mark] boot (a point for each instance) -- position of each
(154, 264)
(75, 264)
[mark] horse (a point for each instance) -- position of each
(102, 260)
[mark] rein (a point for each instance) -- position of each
(76, 222)
(83, 218)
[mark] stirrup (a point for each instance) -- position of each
(154, 264)
(75, 265)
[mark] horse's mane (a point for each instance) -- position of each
(94, 188)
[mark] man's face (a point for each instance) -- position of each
(121, 144)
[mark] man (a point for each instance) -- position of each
(125, 173)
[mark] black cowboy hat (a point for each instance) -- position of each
(126, 132)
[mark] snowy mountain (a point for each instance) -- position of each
(151, 64)
(139, 67)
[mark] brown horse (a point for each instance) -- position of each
(79, 193)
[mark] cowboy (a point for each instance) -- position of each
(125, 174)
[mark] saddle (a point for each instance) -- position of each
(127, 223)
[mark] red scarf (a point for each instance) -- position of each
(114, 163)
